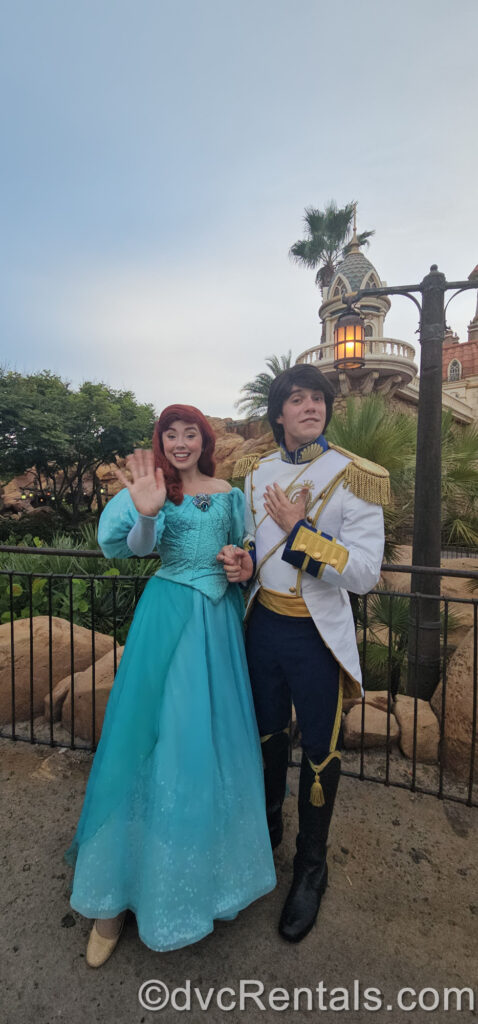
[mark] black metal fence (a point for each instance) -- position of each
(457, 551)
(40, 670)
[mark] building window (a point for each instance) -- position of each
(340, 289)
(369, 331)
(454, 370)
(371, 282)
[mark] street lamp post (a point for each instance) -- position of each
(424, 629)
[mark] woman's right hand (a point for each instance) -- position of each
(238, 564)
(148, 489)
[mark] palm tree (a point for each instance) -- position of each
(459, 482)
(328, 240)
(386, 650)
(371, 429)
(256, 392)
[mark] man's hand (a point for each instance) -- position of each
(238, 564)
(284, 512)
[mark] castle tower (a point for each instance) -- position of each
(389, 363)
(460, 364)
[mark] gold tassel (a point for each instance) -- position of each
(317, 798)
(369, 484)
(366, 479)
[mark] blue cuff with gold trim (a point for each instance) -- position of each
(250, 547)
(293, 556)
(311, 550)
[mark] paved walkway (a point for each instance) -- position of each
(401, 911)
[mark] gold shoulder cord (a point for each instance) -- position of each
(248, 464)
(290, 486)
(326, 494)
(253, 511)
(316, 796)
(287, 491)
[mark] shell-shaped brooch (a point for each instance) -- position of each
(202, 501)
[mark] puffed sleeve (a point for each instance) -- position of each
(116, 521)
(236, 531)
(249, 542)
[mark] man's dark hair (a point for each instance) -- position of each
(298, 376)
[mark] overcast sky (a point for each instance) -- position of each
(158, 156)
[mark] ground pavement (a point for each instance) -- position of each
(401, 911)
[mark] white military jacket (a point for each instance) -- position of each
(321, 569)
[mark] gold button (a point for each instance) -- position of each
(301, 547)
(292, 590)
(253, 487)
(317, 554)
(256, 465)
(309, 519)
(333, 561)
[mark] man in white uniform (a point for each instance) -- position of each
(315, 531)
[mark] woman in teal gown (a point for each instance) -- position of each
(173, 824)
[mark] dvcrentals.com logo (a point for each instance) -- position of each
(155, 995)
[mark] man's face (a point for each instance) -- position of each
(303, 417)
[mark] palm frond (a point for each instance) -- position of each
(327, 234)
(255, 394)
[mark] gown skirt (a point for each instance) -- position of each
(173, 824)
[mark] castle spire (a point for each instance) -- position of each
(353, 245)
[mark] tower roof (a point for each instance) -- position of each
(355, 268)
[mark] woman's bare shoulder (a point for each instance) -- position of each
(220, 486)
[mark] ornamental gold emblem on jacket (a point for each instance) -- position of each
(293, 495)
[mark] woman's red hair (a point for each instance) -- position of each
(206, 463)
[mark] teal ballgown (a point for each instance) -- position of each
(173, 824)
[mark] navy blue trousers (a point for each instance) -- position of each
(289, 663)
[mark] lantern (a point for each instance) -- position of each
(349, 341)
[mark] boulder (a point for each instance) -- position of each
(83, 697)
(458, 725)
(375, 728)
(428, 731)
(226, 445)
(60, 661)
(259, 444)
(377, 698)
(219, 426)
(256, 445)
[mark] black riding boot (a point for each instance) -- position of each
(310, 862)
(275, 753)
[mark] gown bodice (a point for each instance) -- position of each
(188, 536)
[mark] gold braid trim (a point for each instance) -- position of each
(244, 465)
(326, 493)
(271, 734)
(367, 480)
(317, 798)
(247, 462)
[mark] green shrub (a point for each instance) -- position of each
(80, 597)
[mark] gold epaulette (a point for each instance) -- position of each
(367, 480)
(250, 461)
